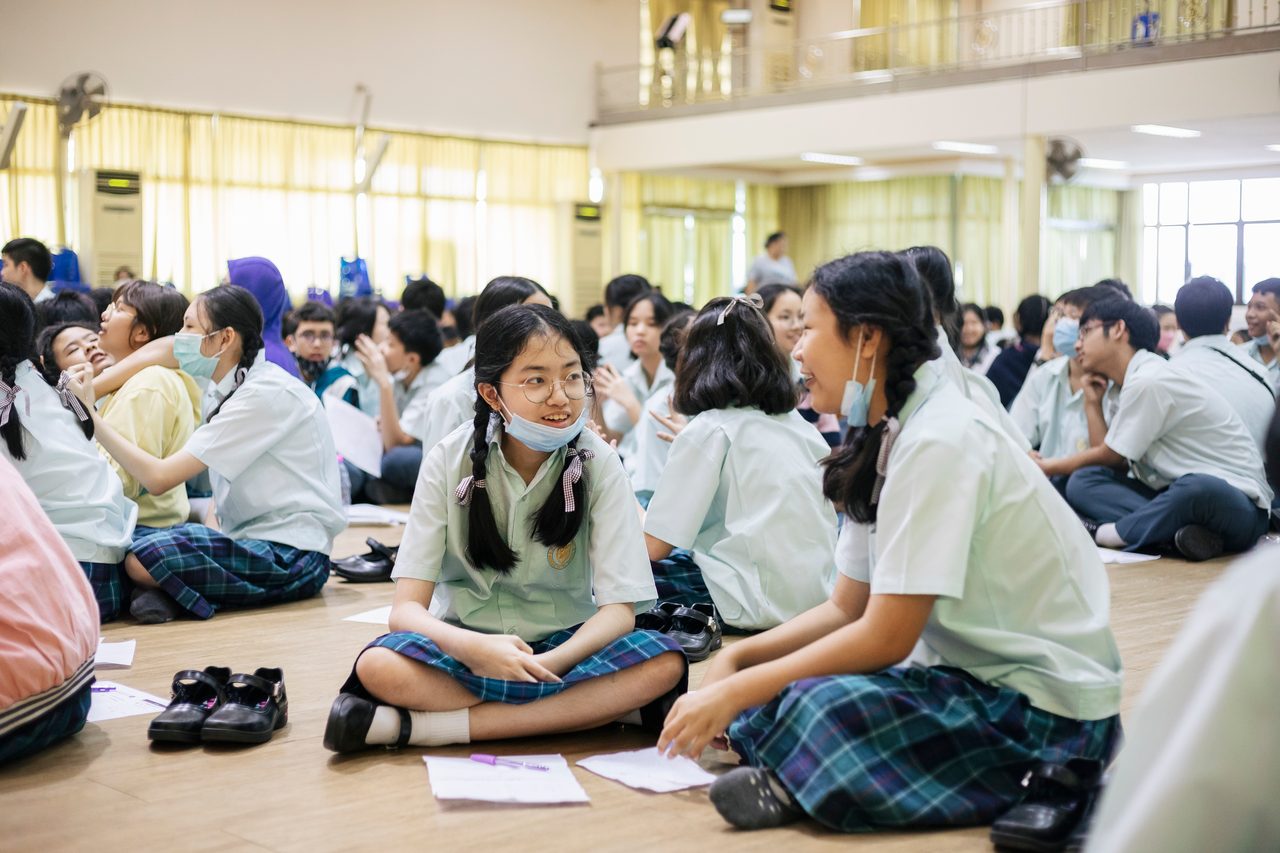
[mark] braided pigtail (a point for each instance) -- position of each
(486, 545)
(17, 344)
(560, 517)
(10, 423)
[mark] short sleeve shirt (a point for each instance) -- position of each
(1049, 413)
(444, 410)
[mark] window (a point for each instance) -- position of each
(1227, 229)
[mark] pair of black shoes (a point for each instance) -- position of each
(695, 628)
(214, 706)
(372, 567)
(1055, 810)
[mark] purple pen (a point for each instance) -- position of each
(485, 758)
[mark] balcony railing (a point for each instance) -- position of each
(1050, 36)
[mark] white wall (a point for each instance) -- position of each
(517, 69)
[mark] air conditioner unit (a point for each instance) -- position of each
(583, 258)
(110, 224)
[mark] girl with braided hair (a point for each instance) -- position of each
(967, 637)
(520, 572)
(47, 435)
(274, 469)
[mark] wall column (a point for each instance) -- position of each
(1030, 217)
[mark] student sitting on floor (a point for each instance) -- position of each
(48, 437)
(972, 349)
(742, 488)
(1176, 467)
(1263, 319)
(405, 373)
(519, 573)
(624, 392)
(783, 308)
(48, 627)
(311, 341)
(1011, 365)
(361, 316)
(157, 408)
(273, 466)
(1011, 659)
(656, 429)
(63, 345)
(454, 403)
(620, 292)
(1203, 306)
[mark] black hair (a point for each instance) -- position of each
(1162, 310)
(17, 344)
(418, 332)
(67, 307)
(501, 292)
(672, 339)
(1273, 451)
(678, 307)
(102, 298)
(1082, 296)
(1033, 313)
(1203, 306)
(288, 324)
(46, 356)
(934, 269)
(499, 340)
(773, 238)
(355, 317)
(589, 342)
(232, 307)
(995, 314)
(1144, 329)
(770, 293)
(732, 364)
(884, 291)
(1116, 286)
(423, 293)
(464, 314)
(594, 311)
(619, 292)
(312, 312)
(1269, 285)
(662, 309)
(33, 253)
(972, 308)
(157, 308)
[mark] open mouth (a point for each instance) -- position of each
(97, 358)
(558, 419)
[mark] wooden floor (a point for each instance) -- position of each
(106, 789)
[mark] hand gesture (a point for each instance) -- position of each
(506, 657)
(80, 381)
(675, 422)
(1273, 331)
(698, 718)
(372, 359)
(600, 431)
(1094, 388)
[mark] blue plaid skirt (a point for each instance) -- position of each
(679, 579)
(626, 651)
(909, 747)
(110, 587)
(59, 722)
(205, 570)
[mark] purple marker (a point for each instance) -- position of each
(485, 758)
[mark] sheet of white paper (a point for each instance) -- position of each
(370, 514)
(464, 779)
(114, 655)
(1110, 555)
(377, 616)
(356, 435)
(648, 770)
(112, 701)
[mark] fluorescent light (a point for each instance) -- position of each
(1095, 163)
(735, 17)
(831, 159)
(1165, 130)
(1273, 147)
(965, 148)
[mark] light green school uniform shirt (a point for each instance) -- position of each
(551, 588)
(1254, 349)
(444, 410)
(616, 418)
(965, 515)
(977, 388)
(1049, 413)
(743, 491)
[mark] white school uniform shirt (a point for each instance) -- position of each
(1049, 413)
(411, 401)
(455, 358)
(1171, 423)
(651, 452)
(743, 491)
(444, 410)
(550, 588)
(614, 349)
(366, 388)
(1254, 349)
(272, 461)
(1242, 381)
(965, 515)
(976, 388)
(46, 293)
(76, 487)
(615, 416)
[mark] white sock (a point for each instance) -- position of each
(385, 728)
(1108, 538)
(440, 728)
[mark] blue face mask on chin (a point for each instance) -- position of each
(540, 437)
(857, 397)
(186, 351)
(1065, 334)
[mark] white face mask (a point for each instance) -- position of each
(857, 397)
(541, 437)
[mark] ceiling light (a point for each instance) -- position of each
(1164, 130)
(965, 148)
(1273, 147)
(1095, 163)
(831, 159)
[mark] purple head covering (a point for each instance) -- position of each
(261, 278)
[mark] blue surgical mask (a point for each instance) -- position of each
(541, 437)
(186, 350)
(1065, 334)
(857, 397)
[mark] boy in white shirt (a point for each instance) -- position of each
(1176, 465)
(1263, 319)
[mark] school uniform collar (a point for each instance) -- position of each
(553, 462)
(228, 383)
(1140, 360)
(1218, 342)
(927, 382)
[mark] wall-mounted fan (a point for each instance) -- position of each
(1062, 159)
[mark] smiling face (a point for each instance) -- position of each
(973, 330)
(787, 319)
(643, 330)
(1262, 308)
(78, 345)
(825, 354)
(546, 365)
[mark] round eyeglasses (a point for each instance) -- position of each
(537, 389)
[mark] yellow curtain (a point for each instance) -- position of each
(1120, 21)
(761, 218)
(699, 65)
(26, 188)
(924, 34)
(1081, 241)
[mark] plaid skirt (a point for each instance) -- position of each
(205, 570)
(59, 722)
(915, 747)
(626, 651)
(679, 579)
(111, 588)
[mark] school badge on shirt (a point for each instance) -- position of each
(559, 557)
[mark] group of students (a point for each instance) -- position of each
(952, 632)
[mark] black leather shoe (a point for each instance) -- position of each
(196, 695)
(1197, 543)
(1058, 799)
(372, 567)
(255, 706)
(349, 719)
(697, 631)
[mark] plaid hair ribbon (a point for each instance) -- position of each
(891, 429)
(465, 488)
(753, 300)
(572, 474)
(69, 399)
(8, 396)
